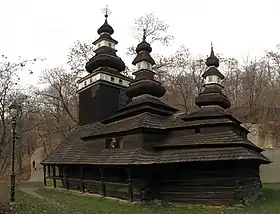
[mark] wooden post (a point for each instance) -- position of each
(66, 177)
(49, 171)
(82, 178)
(45, 180)
(130, 190)
(54, 176)
(103, 188)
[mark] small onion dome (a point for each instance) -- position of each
(143, 51)
(213, 71)
(143, 56)
(212, 60)
(147, 86)
(105, 28)
(143, 46)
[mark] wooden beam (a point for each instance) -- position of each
(66, 177)
(54, 176)
(103, 188)
(45, 180)
(82, 178)
(130, 188)
(49, 171)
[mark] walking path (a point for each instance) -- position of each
(32, 192)
(64, 208)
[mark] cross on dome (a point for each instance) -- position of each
(106, 11)
(144, 34)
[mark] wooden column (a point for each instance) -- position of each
(66, 177)
(54, 178)
(103, 188)
(45, 180)
(49, 171)
(130, 190)
(82, 178)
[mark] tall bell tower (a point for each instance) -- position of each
(102, 91)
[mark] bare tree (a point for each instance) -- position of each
(9, 79)
(181, 75)
(156, 31)
(79, 55)
(56, 106)
(61, 92)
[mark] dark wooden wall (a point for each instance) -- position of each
(216, 184)
(150, 138)
(132, 141)
(98, 102)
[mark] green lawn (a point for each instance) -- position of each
(60, 201)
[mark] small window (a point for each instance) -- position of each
(90, 80)
(120, 82)
(210, 78)
(85, 83)
(197, 130)
(138, 65)
(99, 45)
(112, 79)
(115, 143)
(110, 44)
(112, 143)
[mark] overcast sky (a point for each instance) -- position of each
(48, 28)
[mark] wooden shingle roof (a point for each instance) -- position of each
(226, 145)
(218, 138)
(139, 156)
(144, 120)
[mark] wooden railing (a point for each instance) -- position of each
(104, 188)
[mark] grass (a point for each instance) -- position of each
(28, 204)
(61, 201)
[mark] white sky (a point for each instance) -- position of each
(48, 28)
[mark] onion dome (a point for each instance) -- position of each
(212, 60)
(144, 91)
(105, 28)
(143, 51)
(144, 82)
(212, 94)
(105, 52)
(143, 46)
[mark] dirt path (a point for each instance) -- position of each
(63, 207)
(32, 192)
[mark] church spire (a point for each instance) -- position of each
(144, 91)
(105, 49)
(106, 28)
(212, 94)
(144, 82)
(212, 60)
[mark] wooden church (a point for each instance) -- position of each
(131, 145)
